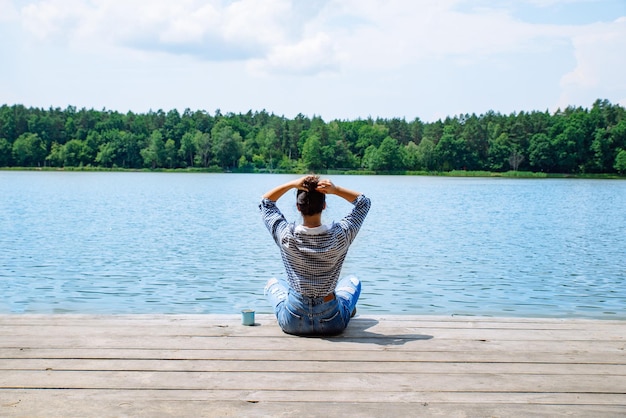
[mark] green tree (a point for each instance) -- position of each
(451, 151)
(90, 147)
(371, 158)
(434, 131)
(228, 145)
(373, 134)
(229, 150)
(170, 154)
(126, 148)
(5, 152)
(603, 152)
(571, 140)
(154, 154)
(620, 162)
(29, 151)
(312, 153)
(56, 157)
(82, 123)
(426, 154)
(173, 127)
(618, 135)
(75, 153)
(474, 135)
(202, 121)
(188, 145)
(293, 135)
(13, 122)
(566, 151)
(389, 156)
(269, 147)
(416, 128)
(541, 153)
(244, 165)
(204, 148)
(500, 149)
(339, 155)
(399, 130)
(106, 155)
(49, 125)
(411, 156)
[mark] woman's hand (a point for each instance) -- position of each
(309, 183)
(323, 186)
(300, 183)
(326, 186)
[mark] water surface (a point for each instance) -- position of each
(194, 243)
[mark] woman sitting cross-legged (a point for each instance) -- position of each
(313, 301)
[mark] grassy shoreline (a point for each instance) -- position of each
(453, 173)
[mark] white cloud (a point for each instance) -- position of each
(389, 36)
(600, 63)
(261, 21)
(309, 56)
(187, 25)
(160, 24)
(50, 19)
(357, 56)
(550, 3)
(404, 33)
(8, 12)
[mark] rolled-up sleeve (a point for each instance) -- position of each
(274, 220)
(353, 221)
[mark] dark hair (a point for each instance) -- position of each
(310, 201)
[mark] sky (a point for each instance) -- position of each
(337, 59)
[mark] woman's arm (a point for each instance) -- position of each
(278, 191)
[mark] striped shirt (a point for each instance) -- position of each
(313, 257)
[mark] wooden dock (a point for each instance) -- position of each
(396, 366)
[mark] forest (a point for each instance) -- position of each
(574, 140)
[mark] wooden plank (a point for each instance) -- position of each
(360, 328)
(265, 319)
(308, 366)
(186, 365)
(414, 344)
(98, 407)
(370, 382)
(383, 356)
(358, 323)
(14, 396)
(373, 367)
(87, 331)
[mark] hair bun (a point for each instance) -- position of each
(310, 200)
(310, 182)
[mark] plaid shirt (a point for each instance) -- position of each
(313, 257)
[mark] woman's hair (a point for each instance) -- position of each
(310, 201)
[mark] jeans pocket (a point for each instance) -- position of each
(292, 313)
(332, 318)
(291, 322)
(331, 325)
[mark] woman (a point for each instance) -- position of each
(313, 301)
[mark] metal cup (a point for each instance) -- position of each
(247, 317)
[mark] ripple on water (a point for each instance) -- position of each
(169, 243)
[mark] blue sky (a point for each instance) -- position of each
(338, 59)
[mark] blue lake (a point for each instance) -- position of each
(74, 242)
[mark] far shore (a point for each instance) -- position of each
(453, 173)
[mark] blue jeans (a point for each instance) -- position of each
(301, 315)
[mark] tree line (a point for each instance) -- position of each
(574, 140)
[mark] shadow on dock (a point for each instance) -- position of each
(357, 332)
